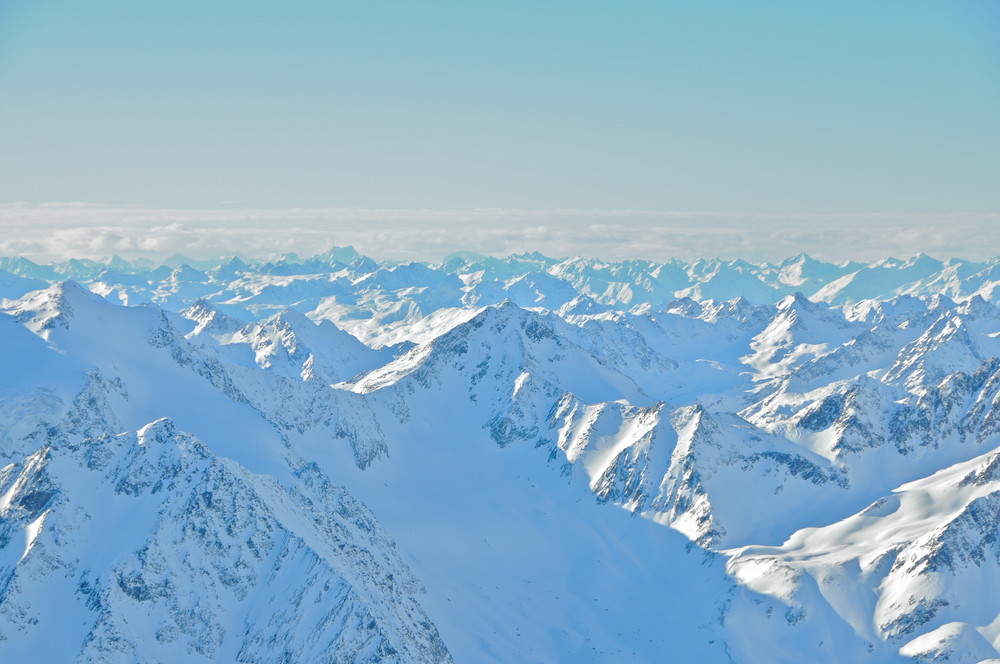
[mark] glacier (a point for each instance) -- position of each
(499, 459)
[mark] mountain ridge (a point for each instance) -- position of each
(608, 477)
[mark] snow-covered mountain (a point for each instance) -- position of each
(489, 459)
(376, 301)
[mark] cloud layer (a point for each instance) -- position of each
(64, 230)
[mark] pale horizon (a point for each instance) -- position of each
(58, 231)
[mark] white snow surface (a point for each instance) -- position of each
(516, 459)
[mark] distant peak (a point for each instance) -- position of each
(157, 431)
(187, 272)
(502, 312)
(465, 256)
(293, 317)
(176, 259)
(345, 255)
(506, 305)
(199, 305)
(922, 260)
(536, 256)
(796, 299)
(73, 291)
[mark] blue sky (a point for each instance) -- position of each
(776, 107)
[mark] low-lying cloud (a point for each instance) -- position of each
(58, 231)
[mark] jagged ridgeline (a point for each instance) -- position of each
(514, 459)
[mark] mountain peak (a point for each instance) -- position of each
(796, 301)
(344, 255)
(157, 431)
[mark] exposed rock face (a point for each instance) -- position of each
(214, 476)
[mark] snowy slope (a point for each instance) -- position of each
(146, 546)
(500, 459)
(908, 573)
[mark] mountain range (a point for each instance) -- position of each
(519, 459)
